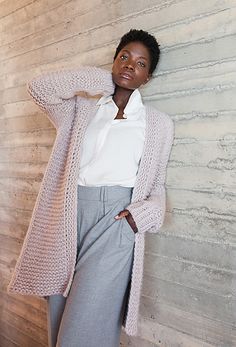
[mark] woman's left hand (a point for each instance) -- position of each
(129, 218)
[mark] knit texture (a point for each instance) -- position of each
(48, 256)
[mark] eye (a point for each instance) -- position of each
(140, 63)
(123, 57)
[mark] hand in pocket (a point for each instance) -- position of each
(126, 214)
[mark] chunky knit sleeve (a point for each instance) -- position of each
(55, 92)
(149, 213)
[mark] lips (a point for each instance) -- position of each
(126, 76)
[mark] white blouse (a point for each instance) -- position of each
(112, 148)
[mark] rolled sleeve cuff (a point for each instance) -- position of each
(144, 218)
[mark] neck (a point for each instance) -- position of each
(121, 97)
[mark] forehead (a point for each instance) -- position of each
(138, 49)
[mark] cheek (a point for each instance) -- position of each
(116, 63)
(114, 69)
(143, 76)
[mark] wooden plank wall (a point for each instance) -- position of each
(189, 289)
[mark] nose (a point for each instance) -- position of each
(129, 66)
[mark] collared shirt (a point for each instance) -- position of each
(112, 148)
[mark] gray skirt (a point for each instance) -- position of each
(95, 308)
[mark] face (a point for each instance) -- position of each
(131, 67)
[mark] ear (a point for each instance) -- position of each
(148, 79)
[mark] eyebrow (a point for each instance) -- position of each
(126, 50)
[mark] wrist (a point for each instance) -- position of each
(132, 223)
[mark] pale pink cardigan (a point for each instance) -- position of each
(47, 260)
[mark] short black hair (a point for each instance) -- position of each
(145, 38)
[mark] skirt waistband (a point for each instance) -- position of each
(104, 193)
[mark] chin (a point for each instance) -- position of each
(124, 85)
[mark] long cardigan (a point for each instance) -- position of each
(47, 259)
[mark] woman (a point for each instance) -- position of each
(103, 189)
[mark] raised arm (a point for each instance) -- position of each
(149, 213)
(55, 92)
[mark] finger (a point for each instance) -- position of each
(122, 214)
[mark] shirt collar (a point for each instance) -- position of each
(133, 106)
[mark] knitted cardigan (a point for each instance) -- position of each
(47, 259)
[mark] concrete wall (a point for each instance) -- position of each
(189, 289)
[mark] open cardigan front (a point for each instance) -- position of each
(47, 259)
